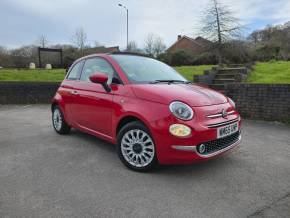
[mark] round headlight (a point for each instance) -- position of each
(181, 110)
(179, 130)
(232, 102)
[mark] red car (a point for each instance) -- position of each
(147, 109)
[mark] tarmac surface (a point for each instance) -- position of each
(43, 174)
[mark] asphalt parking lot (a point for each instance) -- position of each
(43, 174)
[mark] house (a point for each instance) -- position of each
(192, 46)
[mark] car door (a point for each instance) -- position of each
(67, 90)
(93, 104)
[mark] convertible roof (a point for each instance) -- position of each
(129, 53)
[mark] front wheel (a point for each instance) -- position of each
(58, 122)
(136, 147)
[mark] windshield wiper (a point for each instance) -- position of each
(170, 81)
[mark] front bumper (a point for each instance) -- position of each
(176, 150)
(226, 148)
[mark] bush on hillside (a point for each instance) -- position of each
(205, 58)
(180, 58)
(165, 57)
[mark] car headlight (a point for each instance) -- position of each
(181, 110)
(232, 102)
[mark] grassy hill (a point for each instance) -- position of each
(264, 72)
(271, 72)
(189, 71)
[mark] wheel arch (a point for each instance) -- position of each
(127, 119)
(58, 101)
(53, 104)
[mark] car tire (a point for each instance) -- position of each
(58, 121)
(136, 147)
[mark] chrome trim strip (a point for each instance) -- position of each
(184, 147)
(223, 123)
(219, 114)
(214, 116)
(222, 150)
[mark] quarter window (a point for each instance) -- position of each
(94, 65)
(75, 71)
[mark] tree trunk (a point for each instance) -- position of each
(219, 34)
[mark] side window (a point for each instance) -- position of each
(75, 71)
(93, 65)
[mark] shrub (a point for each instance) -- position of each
(205, 58)
(236, 52)
(181, 57)
(165, 57)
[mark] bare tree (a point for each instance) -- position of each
(219, 25)
(132, 47)
(154, 45)
(254, 37)
(80, 39)
(159, 46)
(42, 41)
(149, 44)
(3, 50)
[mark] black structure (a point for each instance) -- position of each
(57, 50)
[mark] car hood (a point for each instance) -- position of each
(164, 93)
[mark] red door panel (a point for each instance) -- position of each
(66, 91)
(93, 107)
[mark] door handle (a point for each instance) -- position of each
(74, 92)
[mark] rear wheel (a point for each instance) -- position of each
(136, 147)
(58, 122)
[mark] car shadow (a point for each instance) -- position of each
(93, 140)
(201, 167)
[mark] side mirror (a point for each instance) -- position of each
(102, 79)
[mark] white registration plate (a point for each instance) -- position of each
(227, 130)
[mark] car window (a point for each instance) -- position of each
(94, 65)
(145, 70)
(75, 71)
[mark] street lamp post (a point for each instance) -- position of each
(127, 22)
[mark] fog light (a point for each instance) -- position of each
(201, 148)
(179, 130)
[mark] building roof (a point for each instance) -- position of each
(200, 41)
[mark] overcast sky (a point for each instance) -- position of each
(22, 21)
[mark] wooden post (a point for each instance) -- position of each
(61, 59)
(39, 58)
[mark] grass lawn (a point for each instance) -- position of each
(271, 72)
(58, 74)
(189, 71)
(264, 72)
(32, 75)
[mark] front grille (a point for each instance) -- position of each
(222, 123)
(219, 144)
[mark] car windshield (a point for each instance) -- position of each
(147, 70)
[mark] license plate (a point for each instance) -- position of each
(227, 130)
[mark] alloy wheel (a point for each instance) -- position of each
(137, 148)
(57, 119)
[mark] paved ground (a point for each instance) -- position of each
(43, 174)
